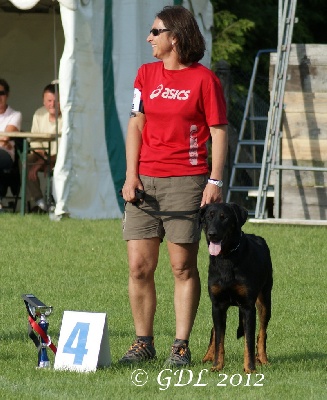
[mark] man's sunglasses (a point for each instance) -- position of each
(156, 32)
(2, 93)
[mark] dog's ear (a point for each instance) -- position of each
(202, 211)
(240, 212)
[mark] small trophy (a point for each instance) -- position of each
(37, 309)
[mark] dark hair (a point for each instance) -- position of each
(5, 85)
(190, 44)
(52, 88)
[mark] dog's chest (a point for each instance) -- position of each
(224, 282)
(221, 271)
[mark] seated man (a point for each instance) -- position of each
(45, 120)
(10, 121)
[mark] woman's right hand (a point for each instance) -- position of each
(128, 191)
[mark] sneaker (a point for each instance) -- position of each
(180, 355)
(139, 351)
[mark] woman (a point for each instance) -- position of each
(178, 104)
(10, 121)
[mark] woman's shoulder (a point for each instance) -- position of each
(203, 70)
(148, 71)
(151, 66)
(206, 76)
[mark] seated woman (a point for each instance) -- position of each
(10, 121)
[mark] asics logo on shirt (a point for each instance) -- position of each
(168, 93)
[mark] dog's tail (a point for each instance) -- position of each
(240, 329)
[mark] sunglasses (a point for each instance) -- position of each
(3, 93)
(156, 32)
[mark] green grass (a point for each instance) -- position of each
(82, 265)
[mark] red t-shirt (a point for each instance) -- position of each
(179, 106)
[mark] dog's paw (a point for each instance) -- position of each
(250, 371)
(207, 358)
(216, 368)
(262, 359)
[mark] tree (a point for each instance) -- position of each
(245, 27)
(229, 37)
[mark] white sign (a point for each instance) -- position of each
(83, 342)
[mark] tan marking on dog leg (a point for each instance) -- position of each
(262, 336)
(221, 355)
(209, 356)
(247, 359)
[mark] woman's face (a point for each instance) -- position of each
(3, 99)
(162, 43)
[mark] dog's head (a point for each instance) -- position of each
(222, 224)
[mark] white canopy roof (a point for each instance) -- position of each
(28, 4)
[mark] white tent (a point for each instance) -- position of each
(104, 43)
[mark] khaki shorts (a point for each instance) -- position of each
(166, 194)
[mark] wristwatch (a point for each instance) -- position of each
(216, 182)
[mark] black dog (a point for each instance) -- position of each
(240, 274)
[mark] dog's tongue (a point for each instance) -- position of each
(214, 248)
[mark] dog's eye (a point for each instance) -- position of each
(222, 217)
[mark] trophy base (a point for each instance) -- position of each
(44, 364)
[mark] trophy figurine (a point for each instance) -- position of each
(37, 309)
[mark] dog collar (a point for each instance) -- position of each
(237, 245)
(235, 248)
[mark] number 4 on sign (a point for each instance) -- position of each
(76, 343)
(83, 342)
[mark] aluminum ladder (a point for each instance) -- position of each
(271, 151)
(242, 143)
